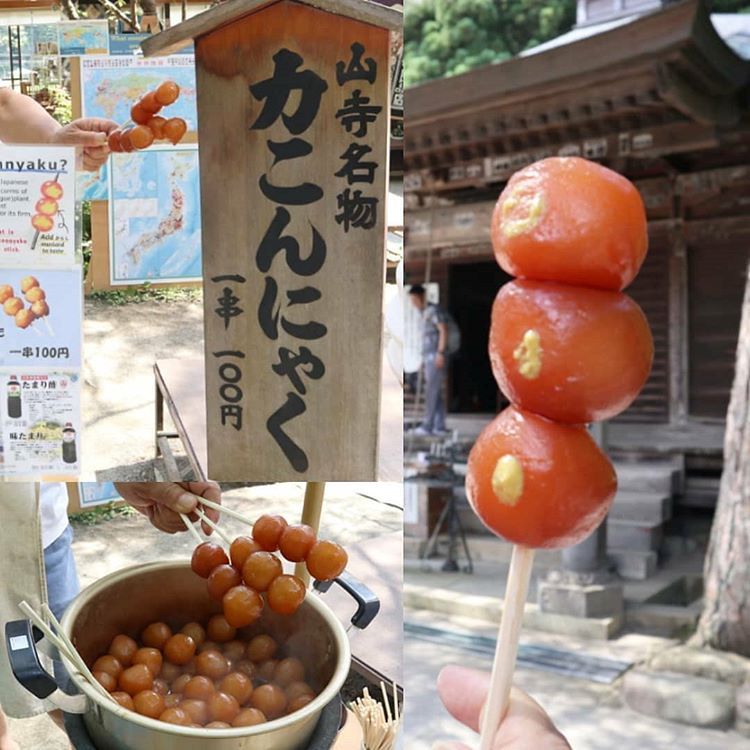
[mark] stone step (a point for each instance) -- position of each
(664, 477)
(696, 701)
(634, 565)
(645, 507)
(633, 535)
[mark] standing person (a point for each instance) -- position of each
(434, 353)
(50, 566)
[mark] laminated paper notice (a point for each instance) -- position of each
(37, 206)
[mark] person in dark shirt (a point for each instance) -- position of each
(435, 340)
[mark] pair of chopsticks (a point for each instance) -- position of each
(379, 725)
(60, 640)
(212, 524)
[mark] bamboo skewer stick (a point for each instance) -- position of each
(64, 646)
(507, 644)
(311, 512)
(213, 525)
(189, 525)
(225, 510)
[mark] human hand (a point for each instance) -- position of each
(162, 502)
(91, 133)
(440, 361)
(525, 726)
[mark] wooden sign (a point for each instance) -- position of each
(293, 110)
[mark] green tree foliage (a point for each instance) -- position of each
(449, 37)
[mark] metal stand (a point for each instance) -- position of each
(449, 516)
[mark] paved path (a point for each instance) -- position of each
(590, 715)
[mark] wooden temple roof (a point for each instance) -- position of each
(666, 83)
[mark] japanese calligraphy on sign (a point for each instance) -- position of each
(293, 186)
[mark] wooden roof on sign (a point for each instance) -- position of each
(232, 10)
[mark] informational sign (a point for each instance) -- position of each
(97, 493)
(84, 38)
(294, 108)
(110, 85)
(155, 216)
(130, 44)
(39, 419)
(44, 39)
(41, 317)
(37, 206)
(126, 44)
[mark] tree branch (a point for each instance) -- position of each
(112, 8)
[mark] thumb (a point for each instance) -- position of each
(77, 137)
(175, 498)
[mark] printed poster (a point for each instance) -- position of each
(40, 422)
(97, 493)
(84, 38)
(155, 219)
(37, 206)
(40, 321)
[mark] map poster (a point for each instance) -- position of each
(93, 186)
(155, 219)
(40, 320)
(37, 206)
(40, 416)
(84, 38)
(110, 85)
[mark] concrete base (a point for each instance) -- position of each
(634, 535)
(489, 609)
(632, 564)
(599, 600)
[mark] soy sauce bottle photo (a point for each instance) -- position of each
(69, 444)
(14, 398)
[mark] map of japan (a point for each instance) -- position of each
(156, 215)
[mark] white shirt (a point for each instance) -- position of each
(54, 509)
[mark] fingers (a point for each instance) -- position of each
(95, 125)
(463, 692)
(71, 135)
(172, 496)
(526, 724)
(211, 491)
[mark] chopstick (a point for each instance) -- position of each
(225, 510)
(189, 525)
(63, 644)
(213, 525)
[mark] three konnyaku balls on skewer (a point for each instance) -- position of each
(567, 347)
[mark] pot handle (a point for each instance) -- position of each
(21, 638)
(368, 604)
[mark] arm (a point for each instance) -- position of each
(442, 343)
(22, 120)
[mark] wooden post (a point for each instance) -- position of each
(311, 512)
(293, 106)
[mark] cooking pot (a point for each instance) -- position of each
(128, 600)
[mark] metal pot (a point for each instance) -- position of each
(128, 600)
